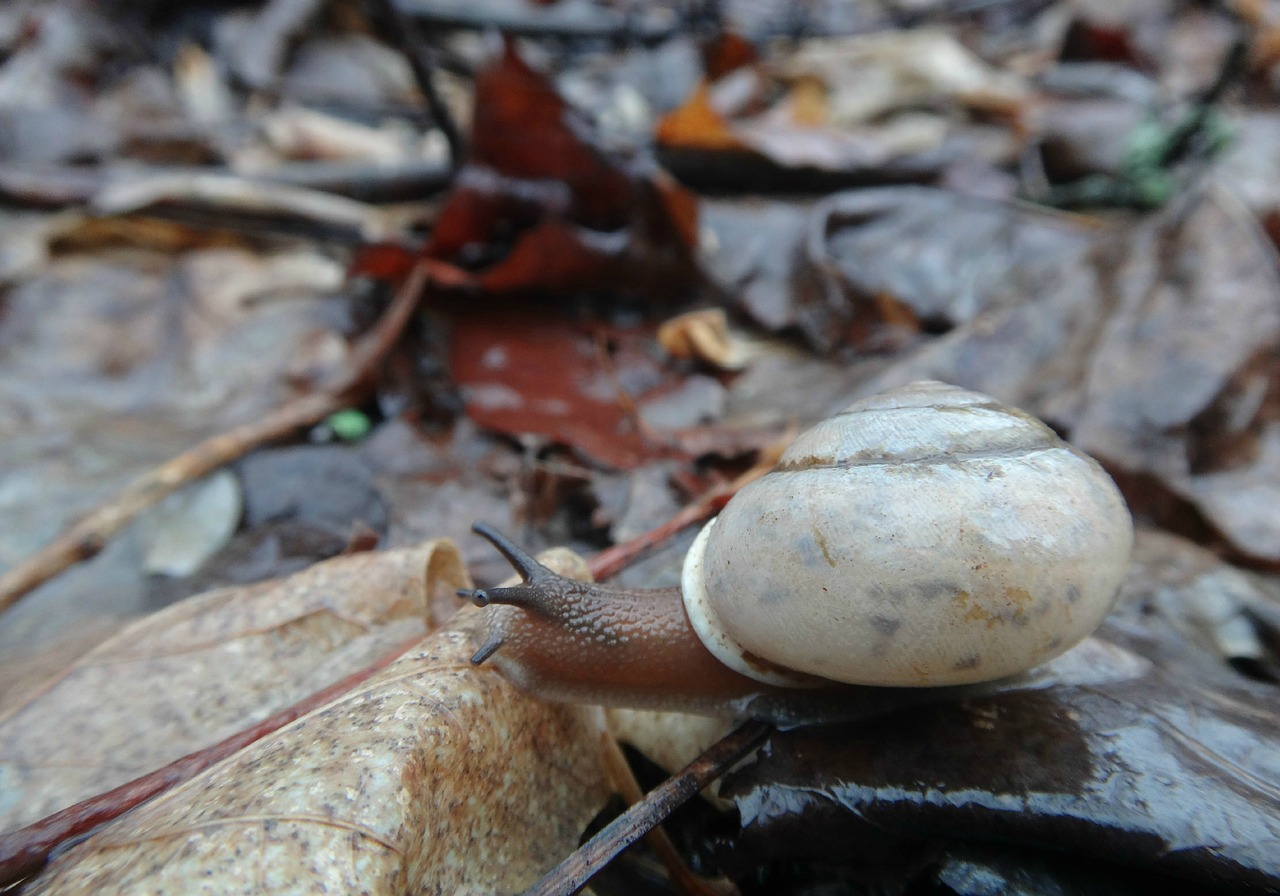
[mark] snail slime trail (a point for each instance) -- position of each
(925, 537)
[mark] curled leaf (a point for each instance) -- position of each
(201, 670)
(435, 775)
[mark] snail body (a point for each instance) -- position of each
(925, 537)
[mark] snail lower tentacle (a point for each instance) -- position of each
(582, 641)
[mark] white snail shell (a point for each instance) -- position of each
(925, 536)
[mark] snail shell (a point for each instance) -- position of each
(925, 536)
(928, 536)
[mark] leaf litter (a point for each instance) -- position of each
(206, 239)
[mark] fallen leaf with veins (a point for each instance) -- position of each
(525, 375)
(205, 668)
(415, 781)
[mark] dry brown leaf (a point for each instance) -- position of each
(433, 776)
(704, 334)
(852, 103)
(808, 103)
(203, 669)
(874, 74)
(554, 212)
(697, 125)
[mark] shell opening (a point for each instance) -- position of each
(711, 631)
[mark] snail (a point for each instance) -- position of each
(927, 537)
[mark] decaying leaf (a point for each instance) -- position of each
(296, 132)
(858, 263)
(868, 75)
(201, 670)
(434, 776)
(578, 385)
(551, 211)
(1154, 352)
(859, 105)
(697, 124)
(171, 298)
(230, 196)
(1171, 772)
(704, 335)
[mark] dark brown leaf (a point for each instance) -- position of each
(548, 211)
(1172, 772)
(574, 384)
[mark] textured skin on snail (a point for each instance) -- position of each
(928, 536)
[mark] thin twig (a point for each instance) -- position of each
(553, 22)
(25, 851)
(1233, 68)
(421, 58)
(612, 560)
(574, 872)
(86, 537)
(624, 781)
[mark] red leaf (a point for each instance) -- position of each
(540, 208)
(522, 374)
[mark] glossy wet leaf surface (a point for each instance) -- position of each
(1171, 774)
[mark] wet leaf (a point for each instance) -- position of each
(296, 132)
(227, 196)
(1171, 772)
(414, 781)
(696, 124)
(265, 37)
(725, 52)
(116, 361)
(351, 70)
(551, 212)
(201, 670)
(180, 291)
(574, 384)
(1154, 352)
(325, 485)
(875, 265)
(853, 105)
(189, 526)
(869, 75)
(1140, 348)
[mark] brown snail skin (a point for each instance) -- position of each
(925, 538)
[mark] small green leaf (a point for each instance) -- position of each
(1146, 145)
(349, 425)
(1152, 187)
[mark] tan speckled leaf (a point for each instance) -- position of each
(434, 777)
(206, 668)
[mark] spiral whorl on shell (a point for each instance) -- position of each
(924, 536)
